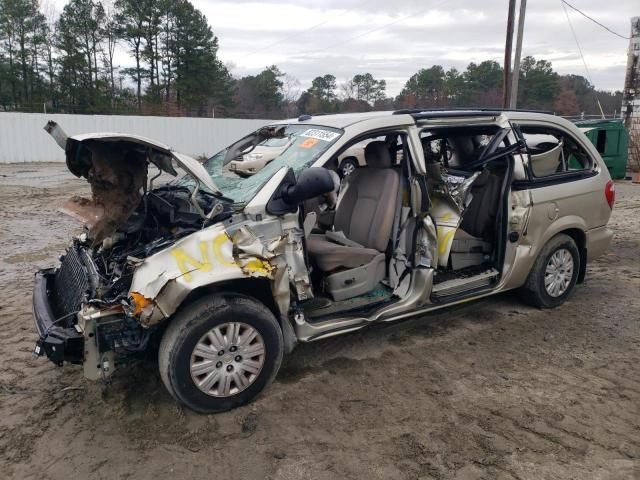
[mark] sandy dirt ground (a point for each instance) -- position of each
(492, 390)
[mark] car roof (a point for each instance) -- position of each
(338, 120)
(343, 120)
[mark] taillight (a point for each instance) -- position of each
(610, 193)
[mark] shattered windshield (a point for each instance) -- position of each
(275, 142)
(306, 144)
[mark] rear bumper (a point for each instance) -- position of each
(597, 242)
(58, 338)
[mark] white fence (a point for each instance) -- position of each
(23, 139)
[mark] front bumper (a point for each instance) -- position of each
(59, 340)
(243, 168)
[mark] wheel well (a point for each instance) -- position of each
(258, 288)
(581, 242)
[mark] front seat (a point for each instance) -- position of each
(353, 253)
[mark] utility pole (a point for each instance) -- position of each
(515, 75)
(631, 92)
(631, 98)
(507, 54)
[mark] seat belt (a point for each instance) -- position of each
(309, 223)
(398, 214)
(398, 255)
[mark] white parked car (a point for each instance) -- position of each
(256, 159)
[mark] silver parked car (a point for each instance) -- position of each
(229, 273)
(254, 159)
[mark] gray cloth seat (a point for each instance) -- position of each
(330, 256)
(463, 242)
(467, 250)
(364, 215)
(479, 218)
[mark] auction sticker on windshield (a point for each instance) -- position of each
(309, 143)
(324, 135)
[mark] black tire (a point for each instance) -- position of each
(347, 167)
(186, 330)
(533, 292)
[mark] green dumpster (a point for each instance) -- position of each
(611, 140)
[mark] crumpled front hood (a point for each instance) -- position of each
(159, 154)
(116, 167)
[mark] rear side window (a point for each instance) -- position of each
(463, 148)
(553, 152)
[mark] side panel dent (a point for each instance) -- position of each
(203, 258)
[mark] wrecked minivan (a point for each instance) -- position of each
(227, 273)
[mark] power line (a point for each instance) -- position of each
(307, 30)
(575, 37)
(593, 19)
(373, 30)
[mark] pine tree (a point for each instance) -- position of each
(200, 77)
(131, 16)
(21, 37)
(79, 35)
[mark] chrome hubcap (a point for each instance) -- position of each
(559, 272)
(348, 168)
(227, 359)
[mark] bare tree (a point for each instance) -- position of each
(291, 89)
(348, 89)
(51, 14)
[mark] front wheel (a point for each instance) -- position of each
(347, 167)
(220, 352)
(554, 273)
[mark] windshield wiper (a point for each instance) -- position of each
(219, 195)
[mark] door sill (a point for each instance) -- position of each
(459, 286)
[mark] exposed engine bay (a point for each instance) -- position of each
(163, 216)
(126, 220)
(146, 248)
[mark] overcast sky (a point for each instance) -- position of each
(345, 37)
(392, 39)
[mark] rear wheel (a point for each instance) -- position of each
(554, 274)
(220, 352)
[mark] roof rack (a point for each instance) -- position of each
(309, 116)
(589, 121)
(460, 112)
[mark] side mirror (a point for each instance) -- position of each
(311, 182)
